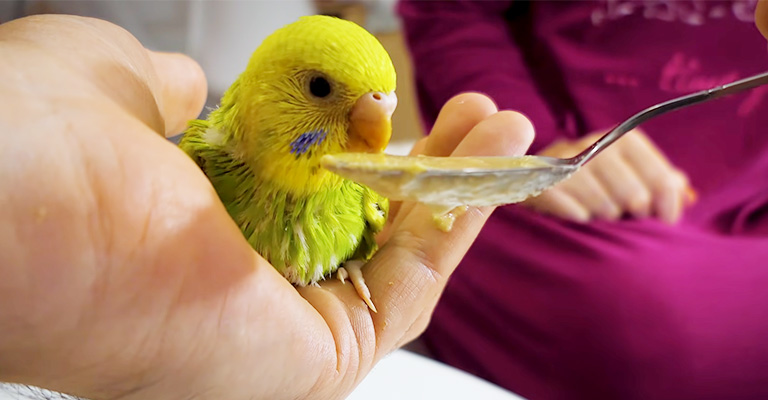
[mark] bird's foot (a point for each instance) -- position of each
(352, 271)
(342, 274)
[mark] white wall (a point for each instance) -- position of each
(223, 34)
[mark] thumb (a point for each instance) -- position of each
(183, 89)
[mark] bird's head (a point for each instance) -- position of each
(317, 86)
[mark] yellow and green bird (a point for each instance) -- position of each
(320, 85)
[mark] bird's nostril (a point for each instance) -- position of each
(377, 96)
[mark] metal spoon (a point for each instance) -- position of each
(448, 182)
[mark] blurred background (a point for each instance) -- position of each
(222, 34)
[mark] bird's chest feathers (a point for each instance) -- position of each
(304, 237)
(301, 218)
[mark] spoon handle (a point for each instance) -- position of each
(663, 108)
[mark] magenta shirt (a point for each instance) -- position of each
(631, 309)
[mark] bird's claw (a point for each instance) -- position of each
(342, 274)
(352, 270)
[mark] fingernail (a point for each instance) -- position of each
(691, 196)
(579, 217)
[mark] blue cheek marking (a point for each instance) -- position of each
(306, 140)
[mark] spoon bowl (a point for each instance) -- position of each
(452, 181)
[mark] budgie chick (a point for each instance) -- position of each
(320, 85)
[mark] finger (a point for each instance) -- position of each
(674, 194)
(457, 117)
(556, 202)
(161, 90)
(622, 183)
(761, 17)
(182, 89)
(394, 207)
(586, 190)
(418, 147)
(668, 185)
(408, 274)
(566, 148)
(670, 196)
(496, 130)
(98, 59)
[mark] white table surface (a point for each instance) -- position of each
(404, 375)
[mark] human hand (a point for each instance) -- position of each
(123, 275)
(631, 176)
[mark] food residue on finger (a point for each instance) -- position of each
(444, 219)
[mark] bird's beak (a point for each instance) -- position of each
(370, 122)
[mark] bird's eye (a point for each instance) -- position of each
(319, 87)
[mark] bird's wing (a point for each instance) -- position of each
(193, 143)
(375, 210)
(230, 177)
